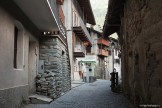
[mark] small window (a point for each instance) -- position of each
(63, 52)
(117, 61)
(15, 46)
(18, 46)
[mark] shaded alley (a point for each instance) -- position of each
(66, 52)
(89, 95)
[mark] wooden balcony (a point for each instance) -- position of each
(102, 52)
(103, 42)
(79, 51)
(82, 32)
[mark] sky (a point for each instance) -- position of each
(99, 8)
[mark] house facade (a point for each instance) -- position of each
(100, 50)
(78, 14)
(30, 37)
(95, 63)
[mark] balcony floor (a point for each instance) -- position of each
(80, 33)
(79, 54)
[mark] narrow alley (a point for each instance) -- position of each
(80, 53)
(89, 95)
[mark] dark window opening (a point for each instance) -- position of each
(109, 52)
(15, 46)
(117, 61)
(63, 52)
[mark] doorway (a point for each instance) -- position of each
(32, 69)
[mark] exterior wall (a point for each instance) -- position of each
(141, 51)
(70, 45)
(76, 70)
(13, 97)
(110, 64)
(94, 48)
(55, 57)
(100, 70)
(14, 82)
(117, 65)
(107, 72)
(67, 8)
(78, 44)
(78, 47)
(33, 64)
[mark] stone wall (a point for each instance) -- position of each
(141, 51)
(55, 56)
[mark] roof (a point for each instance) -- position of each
(112, 21)
(95, 31)
(86, 5)
(99, 33)
(93, 62)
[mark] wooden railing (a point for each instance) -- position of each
(79, 48)
(83, 26)
(103, 41)
(103, 52)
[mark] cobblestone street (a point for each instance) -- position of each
(89, 95)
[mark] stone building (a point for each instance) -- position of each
(78, 13)
(139, 26)
(54, 53)
(99, 49)
(28, 35)
(94, 64)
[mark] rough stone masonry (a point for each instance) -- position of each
(56, 78)
(142, 51)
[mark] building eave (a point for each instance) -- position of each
(112, 21)
(11, 7)
(39, 13)
(88, 13)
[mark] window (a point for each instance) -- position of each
(15, 46)
(75, 19)
(109, 52)
(18, 46)
(117, 61)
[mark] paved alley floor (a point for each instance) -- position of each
(89, 95)
(76, 83)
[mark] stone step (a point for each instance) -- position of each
(39, 99)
